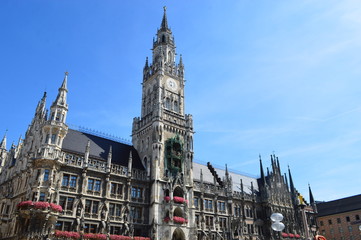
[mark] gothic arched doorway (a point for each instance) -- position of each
(178, 234)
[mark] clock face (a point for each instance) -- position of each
(172, 84)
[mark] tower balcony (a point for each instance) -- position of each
(49, 152)
(26, 209)
(58, 124)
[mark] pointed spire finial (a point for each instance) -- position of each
(312, 200)
(261, 169)
(292, 187)
(164, 24)
(63, 85)
(3, 141)
(286, 182)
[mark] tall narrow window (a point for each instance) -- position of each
(46, 174)
(97, 185)
(176, 107)
(53, 138)
(88, 204)
(111, 209)
(73, 180)
(196, 202)
(70, 203)
(167, 103)
(90, 184)
(42, 197)
(65, 181)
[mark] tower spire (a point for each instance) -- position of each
(261, 169)
(59, 108)
(312, 200)
(41, 105)
(3, 141)
(292, 187)
(164, 24)
(62, 92)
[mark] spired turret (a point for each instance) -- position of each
(47, 156)
(55, 129)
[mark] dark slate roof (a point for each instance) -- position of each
(236, 177)
(339, 206)
(76, 142)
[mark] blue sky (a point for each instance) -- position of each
(262, 77)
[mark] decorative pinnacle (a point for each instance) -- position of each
(66, 73)
(164, 24)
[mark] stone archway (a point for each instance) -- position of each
(178, 234)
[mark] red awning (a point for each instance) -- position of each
(297, 236)
(291, 235)
(284, 234)
(320, 237)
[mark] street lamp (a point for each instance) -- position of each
(277, 225)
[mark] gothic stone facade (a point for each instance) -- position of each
(151, 188)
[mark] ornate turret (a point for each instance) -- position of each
(3, 152)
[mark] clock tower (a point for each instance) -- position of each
(163, 137)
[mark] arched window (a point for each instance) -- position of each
(163, 38)
(178, 212)
(178, 192)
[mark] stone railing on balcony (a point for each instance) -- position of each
(97, 165)
(48, 153)
(73, 160)
(139, 174)
(118, 170)
(101, 166)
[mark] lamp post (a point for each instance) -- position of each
(277, 225)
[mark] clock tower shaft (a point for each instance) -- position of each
(163, 136)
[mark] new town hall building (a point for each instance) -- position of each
(151, 189)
